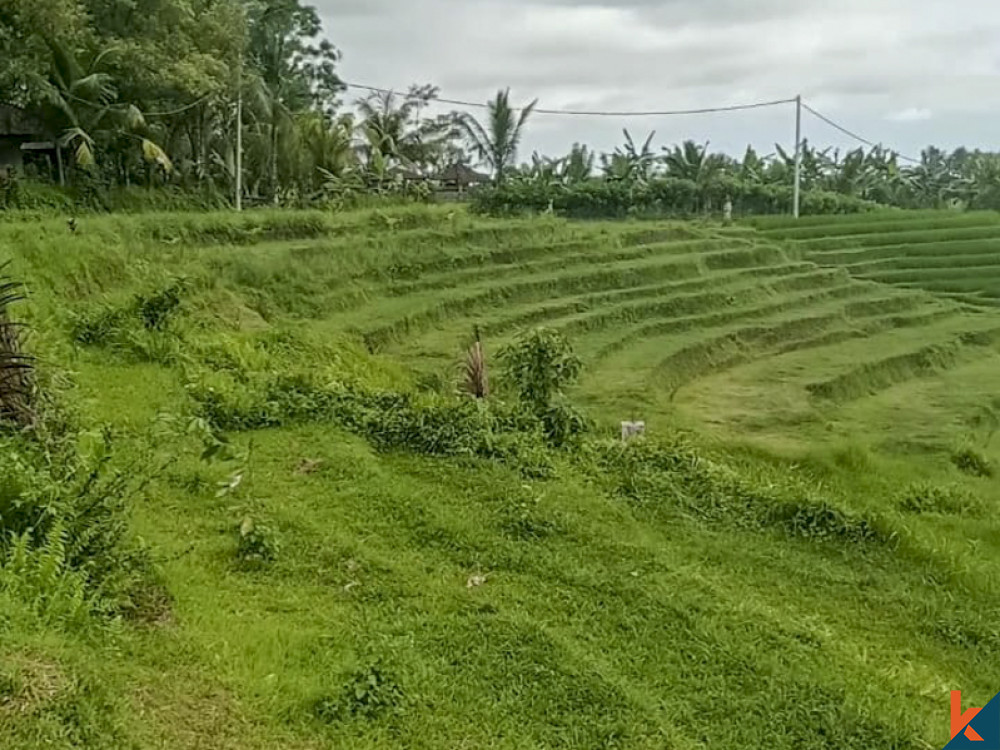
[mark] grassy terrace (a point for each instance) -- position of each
(793, 561)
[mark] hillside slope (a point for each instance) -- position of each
(791, 559)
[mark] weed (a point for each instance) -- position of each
(156, 309)
(970, 461)
(370, 693)
(140, 328)
(257, 545)
(923, 497)
(521, 515)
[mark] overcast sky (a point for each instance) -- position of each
(904, 72)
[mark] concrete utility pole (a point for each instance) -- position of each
(239, 137)
(798, 157)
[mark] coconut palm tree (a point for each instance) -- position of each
(496, 142)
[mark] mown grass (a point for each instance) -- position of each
(939, 251)
(772, 567)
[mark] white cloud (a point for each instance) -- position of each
(911, 114)
(855, 60)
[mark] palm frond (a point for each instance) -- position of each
(477, 137)
(477, 378)
(16, 368)
(95, 88)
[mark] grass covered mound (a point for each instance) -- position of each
(260, 508)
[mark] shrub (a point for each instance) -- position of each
(520, 515)
(659, 197)
(564, 425)
(428, 424)
(539, 365)
(156, 309)
(18, 194)
(972, 462)
(820, 521)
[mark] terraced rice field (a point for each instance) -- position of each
(768, 330)
(956, 254)
(819, 553)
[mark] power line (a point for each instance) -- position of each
(177, 111)
(647, 113)
(854, 135)
(589, 113)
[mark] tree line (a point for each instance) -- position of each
(147, 93)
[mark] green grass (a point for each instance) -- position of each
(791, 560)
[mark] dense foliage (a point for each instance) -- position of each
(153, 95)
(688, 180)
(150, 96)
(664, 196)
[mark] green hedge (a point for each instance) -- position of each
(656, 198)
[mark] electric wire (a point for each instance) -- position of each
(855, 136)
(590, 113)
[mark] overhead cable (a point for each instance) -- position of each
(855, 136)
(590, 113)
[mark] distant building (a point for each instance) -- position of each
(460, 178)
(21, 135)
(450, 183)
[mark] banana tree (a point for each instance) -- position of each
(81, 103)
(578, 165)
(689, 161)
(629, 163)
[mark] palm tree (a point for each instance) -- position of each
(496, 142)
(274, 77)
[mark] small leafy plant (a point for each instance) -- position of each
(257, 545)
(368, 693)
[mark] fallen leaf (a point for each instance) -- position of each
(247, 527)
(309, 466)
